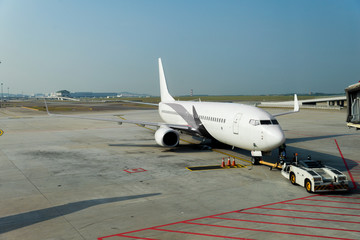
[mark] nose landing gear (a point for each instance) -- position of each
(255, 160)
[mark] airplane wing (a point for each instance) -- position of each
(296, 108)
(143, 103)
(179, 127)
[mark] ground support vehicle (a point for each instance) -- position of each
(315, 176)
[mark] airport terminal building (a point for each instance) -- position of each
(353, 108)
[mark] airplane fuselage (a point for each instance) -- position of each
(237, 125)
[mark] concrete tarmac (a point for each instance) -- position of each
(63, 178)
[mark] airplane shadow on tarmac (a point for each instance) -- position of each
(331, 160)
(186, 148)
(328, 159)
(312, 138)
(134, 145)
(21, 220)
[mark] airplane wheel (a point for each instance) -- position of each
(308, 186)
(292, 178)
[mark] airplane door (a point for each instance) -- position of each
(236, 123)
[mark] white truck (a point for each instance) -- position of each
(315, 176)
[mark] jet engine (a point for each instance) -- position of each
(167, 137)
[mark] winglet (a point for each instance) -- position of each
(296, 108)
(164, 92)
(296, 104)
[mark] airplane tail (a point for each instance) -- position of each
(164, 93)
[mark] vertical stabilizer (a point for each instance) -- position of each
(164, 93)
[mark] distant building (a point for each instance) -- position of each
(39, 95)
(67, 94)
(92, 95)
(62, 93)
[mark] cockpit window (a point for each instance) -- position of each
(254, 122)
(269, 122)
(265, 122)
(274, 121)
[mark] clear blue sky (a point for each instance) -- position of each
(213, 47)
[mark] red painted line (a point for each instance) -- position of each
(348, 170)
(307, 218)
(122, 235)
(133, 237)
(201, 234)
(311, 205)
(287, 224)
(268, 231)
(135, 170)
(219, 214)
(169, 224)
(115, 235)
(304, 211)
(238, 211)
(139, 230)
(332, 201)
(338, 196)
(282, 202)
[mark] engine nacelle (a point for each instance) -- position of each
(167, 137)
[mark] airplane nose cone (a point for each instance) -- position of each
(279, 138)
(275, 137)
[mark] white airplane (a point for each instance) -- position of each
(238, 125)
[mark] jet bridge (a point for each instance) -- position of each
(353, 105)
